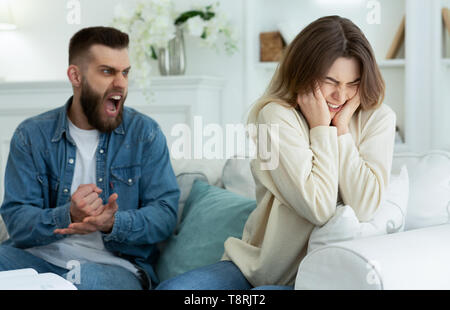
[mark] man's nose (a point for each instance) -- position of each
(120, 81)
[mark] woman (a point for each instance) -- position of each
(335, 144)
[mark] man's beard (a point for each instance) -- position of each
(93, 104)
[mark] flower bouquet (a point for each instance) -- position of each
(154, 24)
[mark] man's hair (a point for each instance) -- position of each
(82, 41)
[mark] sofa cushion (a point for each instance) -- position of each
(429, 200)
(185, 182)
(237, 177)
(210, 216)
(188, 170)
(211, 168)
(389, 218)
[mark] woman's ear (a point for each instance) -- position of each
(74, 75)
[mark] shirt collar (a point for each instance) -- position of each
(62, 124)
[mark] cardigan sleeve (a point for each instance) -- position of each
(306, 174)
(364, 170)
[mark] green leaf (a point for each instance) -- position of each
(189, 14)
(154, 55)
(186, 15)
(208, 15)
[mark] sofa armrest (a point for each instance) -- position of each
(415, 259)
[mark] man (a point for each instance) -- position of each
(90, 184)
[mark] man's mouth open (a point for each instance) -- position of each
(112, 104)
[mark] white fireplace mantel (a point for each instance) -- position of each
(173, 100)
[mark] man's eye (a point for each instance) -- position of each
(125, 73)
(106, 71)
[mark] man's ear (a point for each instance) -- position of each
(74, 75)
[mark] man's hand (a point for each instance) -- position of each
(343, 117)
(102, 222)
(85, 202)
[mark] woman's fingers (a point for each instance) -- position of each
(314, 108)
(318, 93)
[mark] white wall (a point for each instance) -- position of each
(38, 50)
(444, 90)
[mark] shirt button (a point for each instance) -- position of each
(100, 179)
(71, 161)
(102, 151)
(130, 181)
(65, 190)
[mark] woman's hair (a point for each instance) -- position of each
(309, 57)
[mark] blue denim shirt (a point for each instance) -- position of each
(132, 161)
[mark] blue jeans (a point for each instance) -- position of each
(224, 275)
(92, 276)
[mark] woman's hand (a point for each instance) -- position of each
(314, 108)
(343, 117)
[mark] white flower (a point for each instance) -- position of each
(125, 11)
(150, 25)
(156, 8)
(138, 29)
(196, 26)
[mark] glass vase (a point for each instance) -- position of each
(172, 60)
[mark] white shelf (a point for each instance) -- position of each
(270, 66)
(390, 63)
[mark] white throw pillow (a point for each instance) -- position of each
(429, 199)
(390, 217)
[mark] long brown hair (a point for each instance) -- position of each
(308, 58)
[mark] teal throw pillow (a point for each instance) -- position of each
(211, 215)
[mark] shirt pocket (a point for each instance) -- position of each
(127, 175)
(126, 185)
(50, 185)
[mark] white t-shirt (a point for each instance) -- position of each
(82, 248)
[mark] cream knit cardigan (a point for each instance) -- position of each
(316, 169)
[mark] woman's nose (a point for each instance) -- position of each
(340, 95)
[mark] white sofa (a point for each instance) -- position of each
(416, 258)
